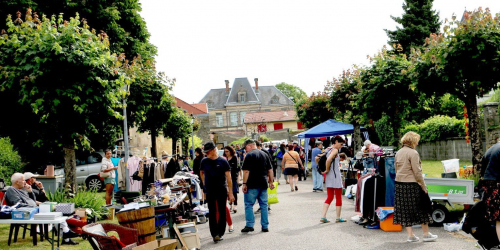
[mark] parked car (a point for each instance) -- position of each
(88, 165)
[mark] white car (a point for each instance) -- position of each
(88, 165)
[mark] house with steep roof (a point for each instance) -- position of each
(228, 107)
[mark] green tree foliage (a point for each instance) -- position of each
(119, 19)
(386, 89)
(345, 101)
(314, 110)
(64, 77)
(10, 161)
(240, 141)
(383, 128)
(177, 127)
(293, 92)
(197, 142)
(464, 62)
(418, 21)
(437, 128)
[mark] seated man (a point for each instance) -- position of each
(21, 192)
(36, 186)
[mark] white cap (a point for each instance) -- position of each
(28, 175)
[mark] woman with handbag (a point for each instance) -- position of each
(291, 163)
(333, 180)
(412, 205)
(108, 173)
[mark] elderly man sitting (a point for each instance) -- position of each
(22, 192)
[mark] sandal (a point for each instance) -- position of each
(340, 220)
(324, 220)
(291, 190)
(296, 188)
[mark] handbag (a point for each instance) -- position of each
(359, 165)
(350, 177)
(140, 174)
(136, 177)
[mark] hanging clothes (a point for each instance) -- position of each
(158, 175)
(133, 165)
(172, 168)
(373, 196)
(149, 176)
(390, 176)
(359, 192)
(121, 175)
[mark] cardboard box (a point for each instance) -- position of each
(82, 212)
(66, 208)
(168, 244)
(47, 207)
(187, 228)
(24, 213)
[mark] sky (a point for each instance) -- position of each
(305, 43)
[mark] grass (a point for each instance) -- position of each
(28, 241)
(435, 168)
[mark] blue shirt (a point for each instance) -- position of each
(315, 152)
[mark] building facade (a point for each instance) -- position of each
(228, 107)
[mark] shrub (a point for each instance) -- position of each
(437, 128)
(239, 141)
(10, 161)
(83, 199)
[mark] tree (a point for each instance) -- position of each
(387, 89)
(418, 21)
(10, 161)
(314, 110)
(465, 62)
(177, 127)
(345, 102)
(293, 92)
(68, 105)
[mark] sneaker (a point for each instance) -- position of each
(216, 238)
(247, 229)
(430, 237)
(314, 190)
(258, 211)
(265, 230)
(319, 190)
(69, 242)
(231, 230)
(413, 239)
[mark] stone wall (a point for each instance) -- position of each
(453, 148)
(138, 142)
(204, 131)
(491, 124)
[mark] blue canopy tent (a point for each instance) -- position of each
(327, 128)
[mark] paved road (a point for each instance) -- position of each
(294, 224)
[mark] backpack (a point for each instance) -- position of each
(321, 160)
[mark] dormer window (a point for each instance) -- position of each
(210, 104)
(275, 100)
(242, 96)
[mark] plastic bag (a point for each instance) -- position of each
(272, 194)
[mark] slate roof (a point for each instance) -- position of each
(271, 116)
(220, 98)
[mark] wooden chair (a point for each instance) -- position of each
(128, 236)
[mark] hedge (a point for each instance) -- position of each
(437, 128)
(10, 161)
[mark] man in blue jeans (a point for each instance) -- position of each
(257, 172)
(317, 176)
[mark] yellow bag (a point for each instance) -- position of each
(272, 194)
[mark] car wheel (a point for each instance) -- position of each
(94, 183)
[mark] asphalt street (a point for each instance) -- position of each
(294, 224)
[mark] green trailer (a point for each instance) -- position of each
(450, 191)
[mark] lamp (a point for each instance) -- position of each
(126, 88)
(192, 136)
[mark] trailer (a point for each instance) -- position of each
(450, 191)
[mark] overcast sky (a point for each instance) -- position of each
(304, 43)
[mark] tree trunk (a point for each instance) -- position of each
(174, 146)
(70, 169)
(358, 141)
(153, 143)
(474, 133)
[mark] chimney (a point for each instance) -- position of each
(227, 85)
(256, 83)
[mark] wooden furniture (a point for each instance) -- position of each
(128, 236)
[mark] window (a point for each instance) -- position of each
(241, 97)
(94, 158)
(219, 120)
(300, 125)
(242, 117)
(233, 116)
(278, 126)
(275, 100)
(210, 104)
